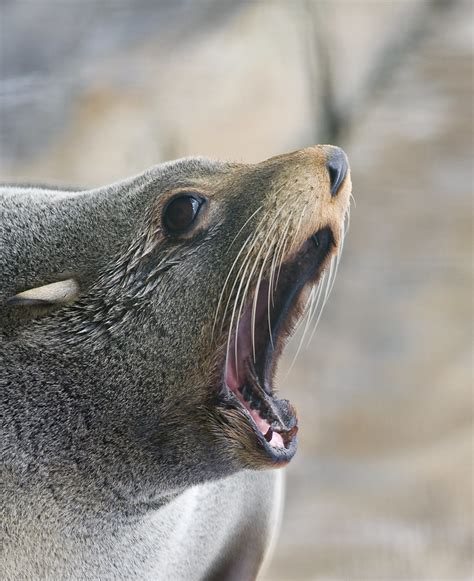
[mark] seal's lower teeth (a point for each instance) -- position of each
(268, 436)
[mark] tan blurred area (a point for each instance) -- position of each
(92, 92)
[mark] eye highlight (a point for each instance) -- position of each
(180, 213)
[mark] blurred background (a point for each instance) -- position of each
(95, 91)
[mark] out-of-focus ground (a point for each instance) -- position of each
(381, 487)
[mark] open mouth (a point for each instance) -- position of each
(267, 320)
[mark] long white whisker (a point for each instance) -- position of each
(307, 315)
(348, 218)
(229, 336)
(333, 271)
(280, 260)
(243, 265)
(272, 271)
(326, 294)
(257, 259)
(316, 312)
(272, 286)
(249, 278)
(254, 306)
(329, 281)
(281, 252)
(316, 295)
(351, 197)
(243, 226)
(247, 241)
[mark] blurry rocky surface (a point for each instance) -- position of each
(91, 92)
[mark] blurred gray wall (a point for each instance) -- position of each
(93, 91)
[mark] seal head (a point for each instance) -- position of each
(178, 290)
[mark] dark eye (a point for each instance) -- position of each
(180, 213)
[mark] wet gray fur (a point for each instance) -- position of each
(110, 470)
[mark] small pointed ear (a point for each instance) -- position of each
(56, 293)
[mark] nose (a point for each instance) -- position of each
(337, 166)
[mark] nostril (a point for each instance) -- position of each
(337, 168)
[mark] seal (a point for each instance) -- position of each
(140, 329)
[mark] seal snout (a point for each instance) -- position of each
(337, 166)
